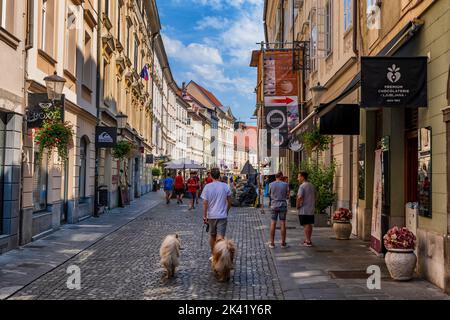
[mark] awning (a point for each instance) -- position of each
(342, 119)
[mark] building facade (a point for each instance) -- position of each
(12, 109)
(339, 34)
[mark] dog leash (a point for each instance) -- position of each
(207, 230)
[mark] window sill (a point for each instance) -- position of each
(86, 88)
(70, 75)
(47, 57)
(9, 39)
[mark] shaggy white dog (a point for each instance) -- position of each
(223, 259)
(170, 253)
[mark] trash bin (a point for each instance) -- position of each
(103, 196)
(155, 185)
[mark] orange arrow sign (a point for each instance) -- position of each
(286, 100)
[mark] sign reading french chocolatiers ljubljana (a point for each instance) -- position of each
(394, 82)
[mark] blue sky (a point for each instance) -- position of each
(210, 42)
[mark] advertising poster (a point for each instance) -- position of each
(280, 78)
(376, 233)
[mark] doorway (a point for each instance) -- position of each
(136, 178)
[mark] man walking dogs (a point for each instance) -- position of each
(216, 205)
(279, 193)
(306, 204)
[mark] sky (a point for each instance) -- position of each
(210, 42)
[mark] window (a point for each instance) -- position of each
(348, 14)
(71, 41)
(107, 8)
(7, 15)
(83, 167)
(314, 48)
(40, 182)
(106, 81)
(87, 67)
(329, 27)
(136, 53)
(47, 26)
(128, 40)
(119, 26)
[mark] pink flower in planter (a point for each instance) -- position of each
(399, 238)
(342, 214)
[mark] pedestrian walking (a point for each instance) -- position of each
(306, 204)
(168, 184)
(208, 179)
(216, 205)
(279, 194)
(179, 187)
(197, 194)
(192, 187)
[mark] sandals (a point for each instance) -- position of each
(307, 243)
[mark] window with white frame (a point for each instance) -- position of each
(7, 15)
(314, 48)
(71, 39)
(88, 62)
(47, 26)
(348, 14)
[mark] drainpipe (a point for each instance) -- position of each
(355, 27)
(98, 100)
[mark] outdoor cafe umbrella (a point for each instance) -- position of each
(184, 164)
(248, 169)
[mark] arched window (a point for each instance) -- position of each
(83, 166)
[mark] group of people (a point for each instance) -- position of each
(180, 187)
(306, 200)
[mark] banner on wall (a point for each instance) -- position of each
(376, 232)
(280, 97)
(394, 82)
(38, 104)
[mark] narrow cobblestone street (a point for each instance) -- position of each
(125, 264)
(122, 263)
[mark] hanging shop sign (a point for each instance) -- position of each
(105, 137)
(38, 104)
(149, 159)
(394, 82)
(280, 78)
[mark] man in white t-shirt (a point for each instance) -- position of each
(216, 205)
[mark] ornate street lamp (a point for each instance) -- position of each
(121, 121)
(317, 92)
(55, 86)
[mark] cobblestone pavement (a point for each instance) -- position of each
(125, 265)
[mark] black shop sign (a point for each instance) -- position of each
(38, 105)
(394, 82)
(105, 137)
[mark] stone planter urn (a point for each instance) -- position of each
(342, 229)
(401, 263)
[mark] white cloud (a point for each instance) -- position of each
(212, 23)
(192, 52)
(242, 37)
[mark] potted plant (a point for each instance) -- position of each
(54, 134)
(400, 258)
(342, 225)
(322, 178)
(122, 150)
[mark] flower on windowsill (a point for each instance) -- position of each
(399, 238)
(342, 214)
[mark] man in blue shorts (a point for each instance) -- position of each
(279, 193)
(168, 188)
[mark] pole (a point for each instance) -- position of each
(97, 94)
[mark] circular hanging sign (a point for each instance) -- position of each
(276, 119)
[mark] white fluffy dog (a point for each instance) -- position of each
(170, 253)
(223, 259)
